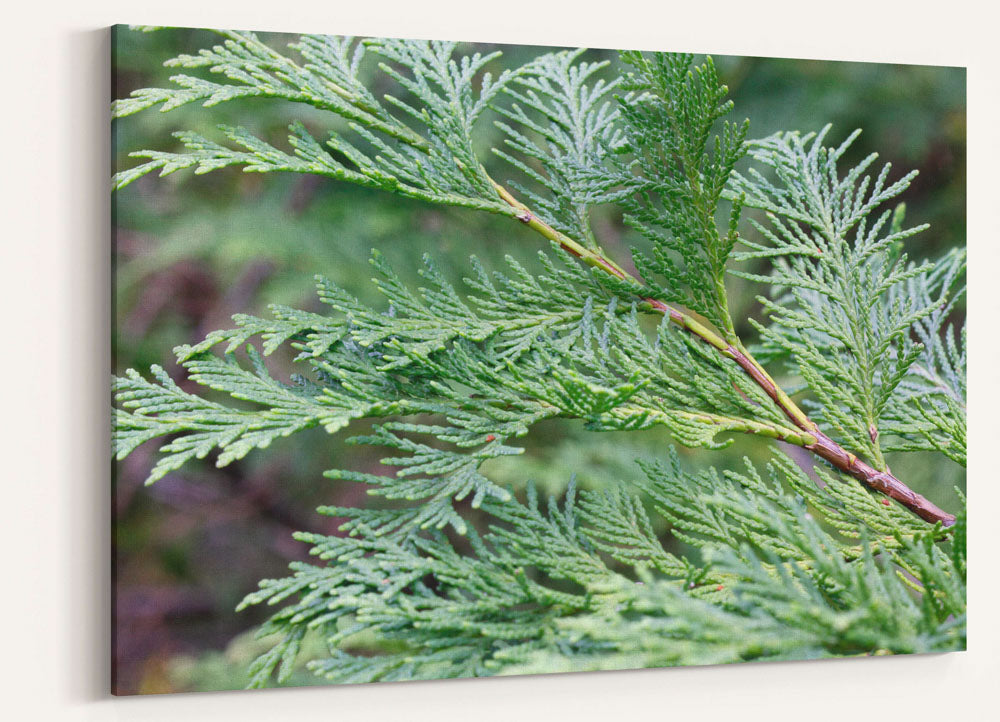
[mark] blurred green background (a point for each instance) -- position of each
(193, 250)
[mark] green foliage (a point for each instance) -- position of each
(679, 180)
(929, 411)
(535, 350)
(565, 121)
(849, 302)
(439, 167)
(450, 574)
(539, 592)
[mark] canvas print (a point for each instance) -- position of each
(441, 359)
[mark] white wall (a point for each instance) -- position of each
(55, 282)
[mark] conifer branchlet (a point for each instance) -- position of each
(788, 569)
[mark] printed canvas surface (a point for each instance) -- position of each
(498, 360)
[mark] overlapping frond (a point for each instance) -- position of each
(564, 127)
(551, 589)
(419, 145)
(677, 172)
(844, 314)
(928, 411)
(519, 349)
(396, 581)
(151, 410)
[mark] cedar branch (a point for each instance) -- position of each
(821, 445)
